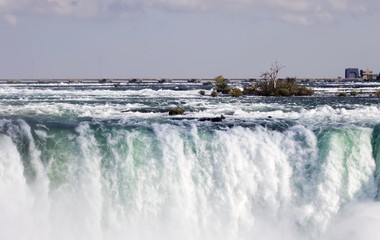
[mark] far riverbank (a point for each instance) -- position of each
(321, 86)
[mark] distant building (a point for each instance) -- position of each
(351, 73)
(368, 74)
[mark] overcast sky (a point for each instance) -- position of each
(186, 38)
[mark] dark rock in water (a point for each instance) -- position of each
(105, 80)
(214, 119)
(164, 80)
(135, 80)
(207, 83)
(269, 116)
(214, 93)
(193, 80)
(176, 111)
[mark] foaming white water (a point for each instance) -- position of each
(34, 196)
(15, 198)
(146, 104)
(76, 205)
(346, 172)
(233, 187)
(357, 221)
(47, 93)
(172, 182)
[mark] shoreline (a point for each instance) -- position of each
(322, 87)
(167, 80)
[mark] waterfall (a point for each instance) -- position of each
(164, 181)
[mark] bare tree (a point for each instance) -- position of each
(271, 75)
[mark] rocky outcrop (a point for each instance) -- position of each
(176, 111)
(214, 119)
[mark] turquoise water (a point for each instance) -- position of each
(85, 163)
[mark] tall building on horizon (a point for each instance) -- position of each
(351, 73)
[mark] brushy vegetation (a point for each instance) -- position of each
(249, 90)
(221, 85)
(236, 92)
(176, 111)
(268, 86)
(283, 87)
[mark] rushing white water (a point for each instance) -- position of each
(170, 183)
(76, 170)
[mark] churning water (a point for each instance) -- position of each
(105, 164)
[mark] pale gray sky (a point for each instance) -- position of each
(186, 38)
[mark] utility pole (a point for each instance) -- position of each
(100, 67)
(33, 69)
